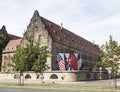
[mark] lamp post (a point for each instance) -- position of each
(109, 72)
(115, 80)
(41, 71)
(100, 72)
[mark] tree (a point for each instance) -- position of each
(19, 60)
(31, 56)
(40, 62)
(2, 39)
(109, 55)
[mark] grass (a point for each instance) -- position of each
(62, 87)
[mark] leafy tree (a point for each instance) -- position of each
(31, 56)
(2, 39)
(109, 47)
(109, 54)
(19, 59)
(40, 62)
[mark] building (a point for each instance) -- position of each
(7, 55)
(59, 41)
(62, 41)
(10, 43)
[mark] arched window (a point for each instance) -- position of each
(16, 76)
(27, 76)
(53, 76)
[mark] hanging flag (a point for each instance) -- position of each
(79, 61)
(74, 61)
(68, 61)
(61, 62)
(61, 65)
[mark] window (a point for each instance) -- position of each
(12, 48)
(7, 48)
(5, 58)
(27, 76)
(9, 57)
(16, 76)
(53, 76)
(35, 28)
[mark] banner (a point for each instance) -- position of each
(61, 61)
(68, 61)
(74, 61)
(79, 64)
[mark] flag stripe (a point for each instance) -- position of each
(61, 65)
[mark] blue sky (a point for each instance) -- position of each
(90, 19)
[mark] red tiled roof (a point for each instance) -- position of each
(70, 39)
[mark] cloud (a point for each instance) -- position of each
(91, 19)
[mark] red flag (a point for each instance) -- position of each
(74, 62)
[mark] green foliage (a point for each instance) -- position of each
(20, 60)
(110, 55)
(109, 47)
(31, 56)
(2, 38)
(40, 62)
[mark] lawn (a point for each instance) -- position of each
(62, 87)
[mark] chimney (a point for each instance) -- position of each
(61, 26)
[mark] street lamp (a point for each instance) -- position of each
(41, 72)
(109, 72)
(100, 72)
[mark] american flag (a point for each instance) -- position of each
(61, 62)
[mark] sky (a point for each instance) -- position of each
(94, 20)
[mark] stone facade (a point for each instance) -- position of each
(58, 40)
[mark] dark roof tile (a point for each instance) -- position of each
(68, 38)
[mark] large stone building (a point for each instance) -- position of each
(59, 40)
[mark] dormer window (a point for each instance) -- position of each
(7, 48)
(12, 48)
(54, 31)
(64, 35)
(58, 38)
(72, 39)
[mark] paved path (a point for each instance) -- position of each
(104, 83)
